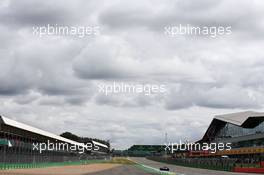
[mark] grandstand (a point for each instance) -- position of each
(244, 130)
(145, 150)
(17, 142)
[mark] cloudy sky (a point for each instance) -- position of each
(51, 82)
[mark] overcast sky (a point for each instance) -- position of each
(51, 82)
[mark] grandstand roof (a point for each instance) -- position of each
(23, 126)
(240, 118)
(246, 119)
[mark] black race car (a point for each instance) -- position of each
(164, 168)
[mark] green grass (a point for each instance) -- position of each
(153, 170)
(4, 166)
(121, 160)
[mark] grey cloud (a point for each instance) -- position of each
(103, 60)
(97, 66)
(77, 100)
(14, 79)
(30, 13)
(51, 101)
(189, 95)
(242, 17)
(50, 81)
(27, 98)
(108, 100)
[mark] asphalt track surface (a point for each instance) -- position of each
(183, 170)
(122, 170)
(116, 169)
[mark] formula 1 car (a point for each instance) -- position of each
(164, 168)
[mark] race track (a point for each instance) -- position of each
(122, 170)
(115, 169)
(182, 170)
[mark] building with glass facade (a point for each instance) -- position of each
(244, 130)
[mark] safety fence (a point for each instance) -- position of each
(213, 164)
(4, 166)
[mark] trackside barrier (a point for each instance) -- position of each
(249, 170)
(211, 166)
(5, 166)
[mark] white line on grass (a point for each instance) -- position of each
(154, 169)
